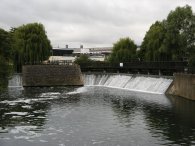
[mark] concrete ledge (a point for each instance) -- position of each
(51, 75)
(183, 85)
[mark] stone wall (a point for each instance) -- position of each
(52, 75)
(183, 85)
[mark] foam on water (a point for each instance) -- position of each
(149, 84)
(17, 113)
(26, 132)
(41, 97)
(77, 91)
(51, 95)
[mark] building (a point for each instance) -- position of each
(93, 51)
(70, 54)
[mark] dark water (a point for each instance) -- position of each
(96, 116)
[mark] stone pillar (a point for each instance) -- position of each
(52, 75)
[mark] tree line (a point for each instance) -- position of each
(172, 39)
(25, 44)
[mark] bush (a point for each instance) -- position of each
(83, 58)
(4, 73)
(192, 61)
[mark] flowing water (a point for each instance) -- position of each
(150, 84)
(94, 115)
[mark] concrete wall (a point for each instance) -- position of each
(52, 75)
(183, 85)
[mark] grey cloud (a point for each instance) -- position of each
(88, 22)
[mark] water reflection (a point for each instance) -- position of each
(174, 122)
(124, 110)
(3, 80)
(173, 125)
(22, 112)
(27, 106)
(5, 71)
(94, 116)
(3, 83)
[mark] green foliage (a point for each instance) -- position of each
(3, 73)
(180, 36)
(171, 39)
(152, 48)
(30, 44)
(4, 44)
(124, 50)
(4, 58)
(192, 61)
(25, 44)
(83, 58)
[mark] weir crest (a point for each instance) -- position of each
(140, 83)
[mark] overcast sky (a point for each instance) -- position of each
(93, 23)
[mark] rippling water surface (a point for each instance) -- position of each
(96, 116)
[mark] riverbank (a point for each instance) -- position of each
(180, 84)
(183, 85)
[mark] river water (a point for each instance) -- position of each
(99, 116)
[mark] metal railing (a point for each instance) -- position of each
(138, 66)
(53, 62)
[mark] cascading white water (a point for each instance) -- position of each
(150, 84)
(15, 81)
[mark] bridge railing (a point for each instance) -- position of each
(137, 66)
(173, 66)
(53, 62)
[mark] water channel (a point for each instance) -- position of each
(93, 115)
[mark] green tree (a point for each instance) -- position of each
(30, 44)
(4, 73)
(180, 35)
(4, 44)
(83, 58)
(152, 48)
(171, 39)
(124, 50)
(4, 58)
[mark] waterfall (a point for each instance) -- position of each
(150, 84)
(15, 81)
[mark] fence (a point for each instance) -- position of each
(143, 67)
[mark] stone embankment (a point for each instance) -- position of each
(183, 85)
(70, 75)
(51, 75)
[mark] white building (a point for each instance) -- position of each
(97, 54)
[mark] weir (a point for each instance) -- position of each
(179, 85)
(15, 81)
(141, 83)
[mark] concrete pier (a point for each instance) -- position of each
(51, 75)
(183, 85)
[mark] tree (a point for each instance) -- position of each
(4, 58)
(30, 44)
(152, 48)
(124, 50)
(172, 39)
(83, 58)
(4, 44)
(4, 72)
(180, 35)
